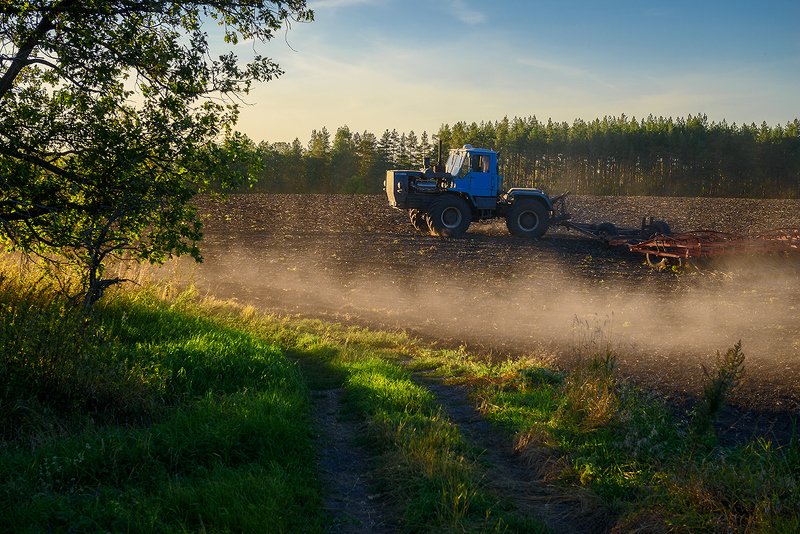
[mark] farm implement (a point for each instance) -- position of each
(661, 247)
(446, 198)
(704, 244)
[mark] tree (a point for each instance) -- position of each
(386, 150)
(113, 115)
(370, 171)
(344, 166)
(318, 159)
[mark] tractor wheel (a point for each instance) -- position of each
(419, 220)
(449, 217)
(527, 218)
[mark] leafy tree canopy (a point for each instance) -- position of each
(114, 114)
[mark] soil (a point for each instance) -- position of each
(352, 258)
(345, 471)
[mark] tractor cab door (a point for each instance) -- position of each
(482, 179)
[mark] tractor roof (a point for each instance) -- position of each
(474, 150)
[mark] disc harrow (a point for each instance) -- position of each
(702, 244)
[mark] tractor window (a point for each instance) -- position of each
(455, 162)
(480, 163)
(466, 167)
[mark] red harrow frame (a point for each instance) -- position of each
(660, 246)
(704, 244)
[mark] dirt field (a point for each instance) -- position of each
(352, 258)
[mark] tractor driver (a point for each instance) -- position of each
(480, 163)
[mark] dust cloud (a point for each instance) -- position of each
(661, 326)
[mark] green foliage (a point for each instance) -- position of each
(589, 428)
(113, 115)
(185, 415)
(55, 365)
(353, 163)
(685, 156)
(148, 416)
(719, 382)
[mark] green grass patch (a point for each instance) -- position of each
(149, 415)
(422, 462)
(586, 428)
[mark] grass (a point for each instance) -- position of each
(164, 411)
(422, 463)
(148, 416)
(657, 471)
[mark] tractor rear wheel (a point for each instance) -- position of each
(419, 220)
(527, 218)
(449, 216)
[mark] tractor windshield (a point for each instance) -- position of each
(455, 162)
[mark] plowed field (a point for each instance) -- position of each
(352, 258)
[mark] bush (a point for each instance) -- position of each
(719, 381)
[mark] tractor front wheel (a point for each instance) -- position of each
(527, 218)
(449, 217)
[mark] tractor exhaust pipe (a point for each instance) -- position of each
(439, 164)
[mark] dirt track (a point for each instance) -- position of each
(352, 258)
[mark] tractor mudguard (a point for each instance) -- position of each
(519, 192)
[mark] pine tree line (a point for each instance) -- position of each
(351, 163)
(611, 156)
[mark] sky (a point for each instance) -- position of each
(414, 65)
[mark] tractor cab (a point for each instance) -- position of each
(474, 171)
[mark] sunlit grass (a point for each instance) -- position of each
(423, 462)
(587, 428)
(584, 427)
(150, 415)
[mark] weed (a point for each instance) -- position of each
(540, 376)
(590, 393)
(719, 381)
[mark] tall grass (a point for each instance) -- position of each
(148, 415)
(165, 412)
(649, 464)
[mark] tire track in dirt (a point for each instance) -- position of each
(344, 471)
(512, 477)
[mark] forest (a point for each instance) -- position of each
(685, 156)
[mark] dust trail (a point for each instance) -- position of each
(662, 335)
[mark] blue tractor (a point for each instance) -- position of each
(444, 199)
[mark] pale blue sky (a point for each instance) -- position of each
(414, 65)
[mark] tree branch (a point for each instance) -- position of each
(39, 162)
(20, 60)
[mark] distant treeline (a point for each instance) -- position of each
(610, 156)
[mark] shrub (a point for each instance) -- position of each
(719, 381)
